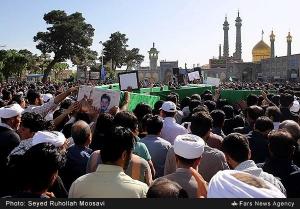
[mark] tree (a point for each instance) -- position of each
(133, 58)
(13, 63)
(116, 52)
(86, 59)
(32, 61)
(58, 68)
(115, 49)
(42, 62)
(68, 37)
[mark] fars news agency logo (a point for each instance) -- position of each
(234, 204)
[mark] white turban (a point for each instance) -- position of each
(11, 111)
(224, 185)
(189, 146)
(53, 137)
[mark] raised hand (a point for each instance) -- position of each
(75, 107)
(202, 184)
(93, 113)
(114, 110)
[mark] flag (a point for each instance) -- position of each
(230, 79)
(103, 73)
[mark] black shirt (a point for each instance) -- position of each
(258, 144)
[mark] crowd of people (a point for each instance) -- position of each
(200, 146)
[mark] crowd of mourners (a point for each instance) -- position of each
(200, 146)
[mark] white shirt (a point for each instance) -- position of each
(43, 110)
(171, 129)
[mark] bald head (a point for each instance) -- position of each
(81, 133)
(164, 188)
(292, 127)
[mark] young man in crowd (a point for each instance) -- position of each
(170, 129)
(109, 180)
(253, 112)
(36, 102)
(286, 102)
(218, 117)
(280, 163)
(157, 146)
(258, 139)
(39, 168)
(238, 154)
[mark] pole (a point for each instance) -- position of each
(101, 59)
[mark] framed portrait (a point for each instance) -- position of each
(103, 99)
(194, 76)
(129, 80)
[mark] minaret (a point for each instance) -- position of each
(238, 43)
(272, 40)
(289, 44)
(153, 57)
(220, 51)
(226, 45)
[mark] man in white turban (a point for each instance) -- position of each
(10, 118)
(238, 184)
(188, 149)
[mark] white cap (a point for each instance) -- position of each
(189, 146)
(296, 107)
(168, 106)
(11, 111)
(47, 97)
(53, 137)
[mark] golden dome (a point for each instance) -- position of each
(261, 51)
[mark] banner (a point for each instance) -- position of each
(94, 75)
(103, 73)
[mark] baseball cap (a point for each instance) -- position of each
(168, 106)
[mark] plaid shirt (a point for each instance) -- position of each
(22, 148)
(44, 109)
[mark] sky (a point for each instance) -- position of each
(189, 31)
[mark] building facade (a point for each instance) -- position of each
(265, 66)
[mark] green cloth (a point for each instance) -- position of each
(138, 98)
(233, 96)
(115, 86)
(184, 91)
(135, 98)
